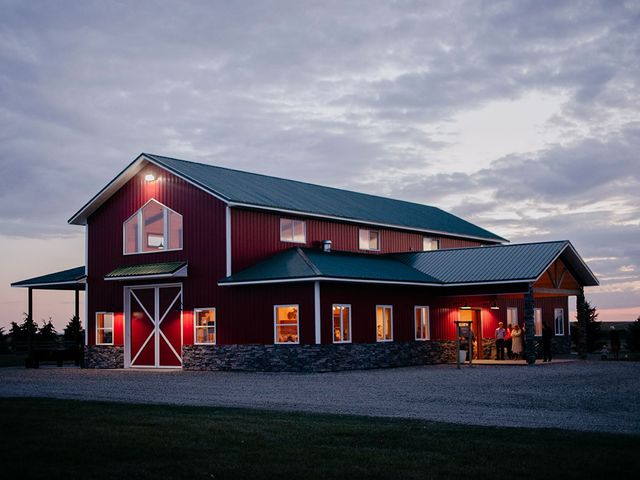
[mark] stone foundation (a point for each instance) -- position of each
(316, 358)
(103, 356)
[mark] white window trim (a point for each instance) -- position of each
(341, 323)
(534, 322)
(275, 324)
(390, 307)
(215, 326)
(304, 228)
(415, 333)
(165, 228)
(370, 249)
(555, 323)
(113, 320)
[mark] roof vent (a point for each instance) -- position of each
(326, 245)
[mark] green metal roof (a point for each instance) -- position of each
(484, 265)
(146, 270)
(71, 279)
(303, 263)
(256, 190)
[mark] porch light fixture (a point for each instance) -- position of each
(149, 177)
(494, 306)
(465, 307)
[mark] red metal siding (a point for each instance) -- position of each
(204, 246)
(256, 235)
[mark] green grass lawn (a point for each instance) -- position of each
(44, 438)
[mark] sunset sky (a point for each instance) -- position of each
(522, 117)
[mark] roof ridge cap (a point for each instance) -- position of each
(308, 261)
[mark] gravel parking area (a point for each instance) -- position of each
(595, 396)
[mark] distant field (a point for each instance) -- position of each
(43, 438)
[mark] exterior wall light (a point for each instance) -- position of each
(494, 306)
(149, 177)
(465, 307)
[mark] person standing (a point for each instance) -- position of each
(547, 335)
(508, 342)
(517, 342)
(614, 338)
(500, 334)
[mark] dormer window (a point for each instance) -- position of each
(153, 228)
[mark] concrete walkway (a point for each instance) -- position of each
(596, 396)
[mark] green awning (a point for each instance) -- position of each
(148, 270)
(71, 279)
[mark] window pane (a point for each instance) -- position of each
(337, 327)
(387, 324)
(131, 235)
(286, 230)
(373, 240)
(364, 239)
(346, 330)
(380, 323)
(205, 318)
(175, 230)
(435, 244)
(153, 227)
(287, 324)
(537, 321)
(107, 336)
(427, 244)
(298, 231)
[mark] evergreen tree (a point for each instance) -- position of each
(593, 327)
(73, 331)
(47, 332)
(3, 340)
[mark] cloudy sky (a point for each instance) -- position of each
(523, 117)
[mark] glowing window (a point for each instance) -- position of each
(293, 230)
(384, 323)
(421, 315)
(341, 323)
(369, 239)
(153, 228)
(204, 320)
(286, 324)
(537, 322)
(104, 328)
(512, 316)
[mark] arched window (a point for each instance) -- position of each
(153, 228)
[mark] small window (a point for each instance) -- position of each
(384, 323)
(422, 323)
(369, 239)
(429, 243)
(153, 228)
(293, 230)
(512, 316)
(104, 328)
(204, 321)
(558, 315)
(341, 323)
(537, 321)
(286, 324)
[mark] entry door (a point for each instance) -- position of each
(154, 326)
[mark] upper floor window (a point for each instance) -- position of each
(293, 230)
(153, 228)
(429, 243)
(369, 239)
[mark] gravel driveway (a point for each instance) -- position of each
(597, 396)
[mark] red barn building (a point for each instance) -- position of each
(202, 267)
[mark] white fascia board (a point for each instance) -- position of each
(355, 280)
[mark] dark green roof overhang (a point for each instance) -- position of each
(71, 279)
(148, 271)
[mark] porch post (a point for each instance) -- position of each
(582, 324)
(529, 332)
(77, 311)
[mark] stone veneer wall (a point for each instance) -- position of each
(103, 356)
(316, 358)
